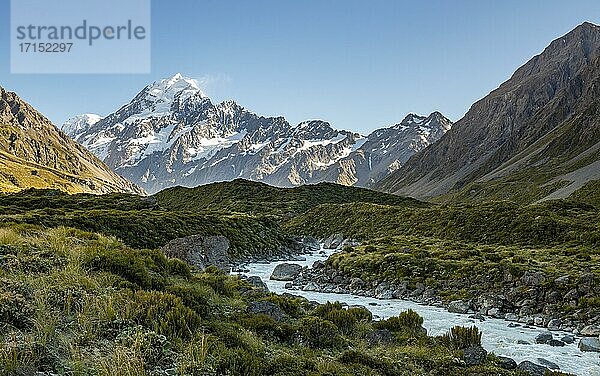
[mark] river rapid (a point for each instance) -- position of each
(497, 337)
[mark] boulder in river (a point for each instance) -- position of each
(532, 368)
(200, 251)
(458, 306)
(569, 339)
(543, 337)
(286, 272)
(334, 241)
(555, 343)
(589, 344)
(547, 363)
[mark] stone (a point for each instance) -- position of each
(522, 342)
(265, 308)
(458, 306)
(311, 286)
(562, 281)
(554, 324)
(568, 339)
(286, 272)
(477, 316)
(590, 331)
(555, 343)
(333, 242)
(538, 321)
(474, 355)
(310, 244)
(200, 251)
(543, 337)
(532, 368)
(495, 312)
(379, 337)
(547, 363)
(511, 317)
(531, 278)
(589, 344)
(258, 283)
(505, 362)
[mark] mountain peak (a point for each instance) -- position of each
(174, 85)
(413, 119)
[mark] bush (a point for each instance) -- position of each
(165, 314)
(407, 322)
(344, 320)
(361, 314)
(459, 338)
(319, 333)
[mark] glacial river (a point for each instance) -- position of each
(497, 336)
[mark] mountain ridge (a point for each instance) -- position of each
(35, 154)
(172, 134)
(473, 160)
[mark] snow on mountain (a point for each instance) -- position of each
(172, 134)
(78, 124)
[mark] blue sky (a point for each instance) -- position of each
(360, 65)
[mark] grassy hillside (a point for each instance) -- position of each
(138, 222)
(589, 194)
(259, 198)
(79, 303)
(502, 223)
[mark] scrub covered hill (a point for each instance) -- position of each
(254, 197)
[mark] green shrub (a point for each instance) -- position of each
(344, 320)
(407, 322)
(165, 314)
(289, 365)
(361, 314)
(319, 333)
(153, 348)
(459, 337)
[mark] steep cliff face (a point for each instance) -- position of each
(536, 134)
(35, 154)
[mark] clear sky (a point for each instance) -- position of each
(360, 65)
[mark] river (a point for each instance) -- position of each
(497, 336)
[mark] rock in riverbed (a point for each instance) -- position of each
(286, 272)
(589, 344)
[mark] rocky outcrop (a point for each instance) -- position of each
(200, 251)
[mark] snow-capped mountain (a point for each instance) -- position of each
(172, 134)
(80, 123)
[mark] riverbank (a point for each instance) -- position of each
(517, 342)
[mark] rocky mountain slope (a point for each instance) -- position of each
(533, 138)
(172, 134)
(34, 154)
